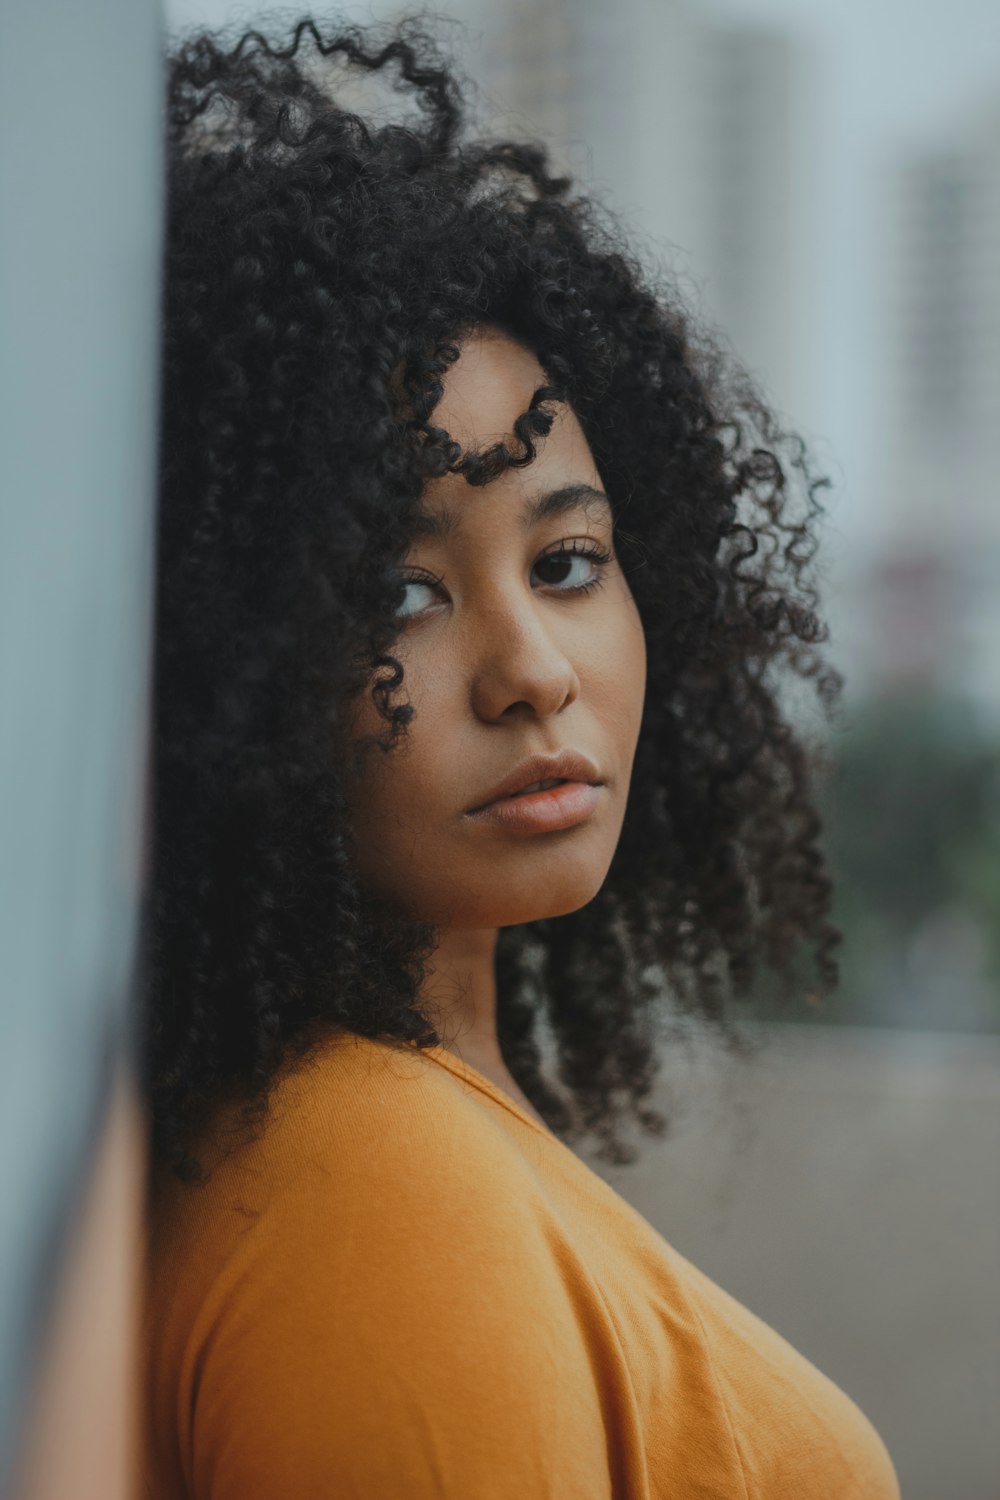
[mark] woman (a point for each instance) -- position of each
(478, 578)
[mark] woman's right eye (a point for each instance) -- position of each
(418, 595)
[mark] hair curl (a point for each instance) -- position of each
(312, 254)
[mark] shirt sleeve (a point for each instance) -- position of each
(400, 1328)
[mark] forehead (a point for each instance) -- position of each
(484, 392)
(489, 385)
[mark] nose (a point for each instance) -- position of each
(520, 666)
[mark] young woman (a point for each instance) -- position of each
(479, 578)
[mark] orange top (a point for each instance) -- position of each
(408, 1289)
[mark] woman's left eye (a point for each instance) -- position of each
(572, 569)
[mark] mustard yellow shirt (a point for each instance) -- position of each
(407, 1288)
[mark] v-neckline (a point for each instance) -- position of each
(462, 1069)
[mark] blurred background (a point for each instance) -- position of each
(823, 181)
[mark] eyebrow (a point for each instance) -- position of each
(568, 497)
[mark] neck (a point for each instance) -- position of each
(460, 991)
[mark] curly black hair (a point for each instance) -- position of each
(321, 266)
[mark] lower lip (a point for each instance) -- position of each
(560, 806)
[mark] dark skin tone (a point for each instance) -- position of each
(517, 638)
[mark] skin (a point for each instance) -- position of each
(502, 659)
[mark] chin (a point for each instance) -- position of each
(532, 900)
(541, 913)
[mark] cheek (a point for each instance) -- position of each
(620, 672)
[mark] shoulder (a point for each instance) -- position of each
(359, 1115)
(359, 1132)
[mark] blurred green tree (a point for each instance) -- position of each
(911, 808)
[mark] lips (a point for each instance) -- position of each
(533, 774)
(538, 786)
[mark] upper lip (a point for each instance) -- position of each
(568, 765)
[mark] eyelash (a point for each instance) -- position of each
(574, 548)
(578, 548)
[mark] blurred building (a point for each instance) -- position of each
(699, 135)
(934, 587)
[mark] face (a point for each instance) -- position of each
(519, 638)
